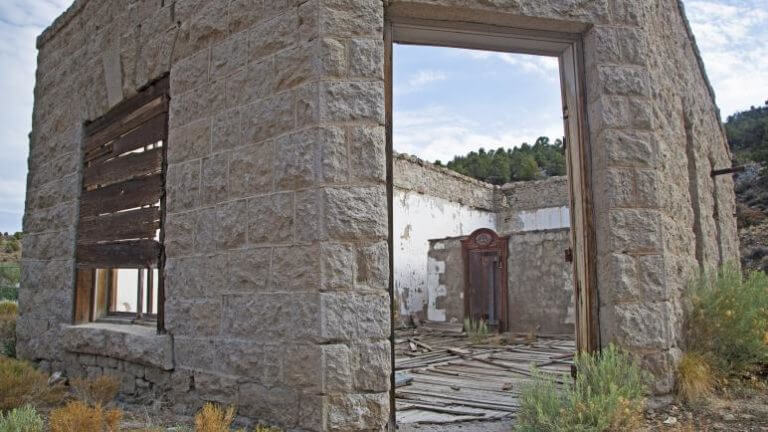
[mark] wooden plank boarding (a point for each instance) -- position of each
(122, 200)
(151, 131)
(120, 128)
(122, 196)
(132, 224)
(152, 91)
(135, 253)
(123, 168)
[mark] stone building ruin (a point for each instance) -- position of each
(243, 149)
(434, 209)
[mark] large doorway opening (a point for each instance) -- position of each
(489, 220)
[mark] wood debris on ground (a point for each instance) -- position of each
(445, 378)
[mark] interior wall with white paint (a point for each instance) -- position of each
(417, 219)
(512, 220)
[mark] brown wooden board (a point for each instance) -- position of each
(83, 292)
(122, 126)
(128, 106)
(136, 253)
(149, 132)
(122, 196)
(133, 224)
(123, 168)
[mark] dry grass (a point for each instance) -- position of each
(98, 391)
(79, 416)
(21, 384)
(694, 378)
(213, 418)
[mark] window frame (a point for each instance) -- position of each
(122, 208)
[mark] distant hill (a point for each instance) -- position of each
(10, 247)
(748, 137)
(526, 162)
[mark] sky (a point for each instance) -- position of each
(447, 101)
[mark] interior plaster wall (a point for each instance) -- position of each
(430, 202)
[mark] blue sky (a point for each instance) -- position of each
(447, 102)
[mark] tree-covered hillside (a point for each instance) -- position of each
(527, 162)
(748, 135)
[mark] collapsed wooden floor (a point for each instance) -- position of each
(444, 377)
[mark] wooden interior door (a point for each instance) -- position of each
(485, 275)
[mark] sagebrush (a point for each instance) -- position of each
(728, 321)
(24, 419)
(96, 391)
(608, 394)
(21, 384)
(81, 417)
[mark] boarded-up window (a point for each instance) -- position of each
(120, 230)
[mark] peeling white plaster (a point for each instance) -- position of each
(417, 219)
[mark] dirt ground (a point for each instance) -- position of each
(738, 410)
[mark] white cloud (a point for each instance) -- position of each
(20, 23)
(419, 80)
(732, 39)
(544, 67)
(434, 133)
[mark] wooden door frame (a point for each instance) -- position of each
(496, 243)
(569, 49)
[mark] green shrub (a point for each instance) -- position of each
(728, 320)
(8, 292)
(477, 331)
(608, 394)
(9, 312)
(24, 419)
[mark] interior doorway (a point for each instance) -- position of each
(485, 292)
(520, 253)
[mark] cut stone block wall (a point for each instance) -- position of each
(277, 195)
(276, 232)
(533, 205)
(540, 283)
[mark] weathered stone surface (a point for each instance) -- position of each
(267, 118)
(644, 325)
(198, 318)
(295, 269)
(352, 101)
(270, 219)
(357, 411)
(366, 58)
(355, 212)
(249, 270)
(348, 316)
(192, 141)
(136, 344)
(250, 170)
(213, 179)
(367, 158)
